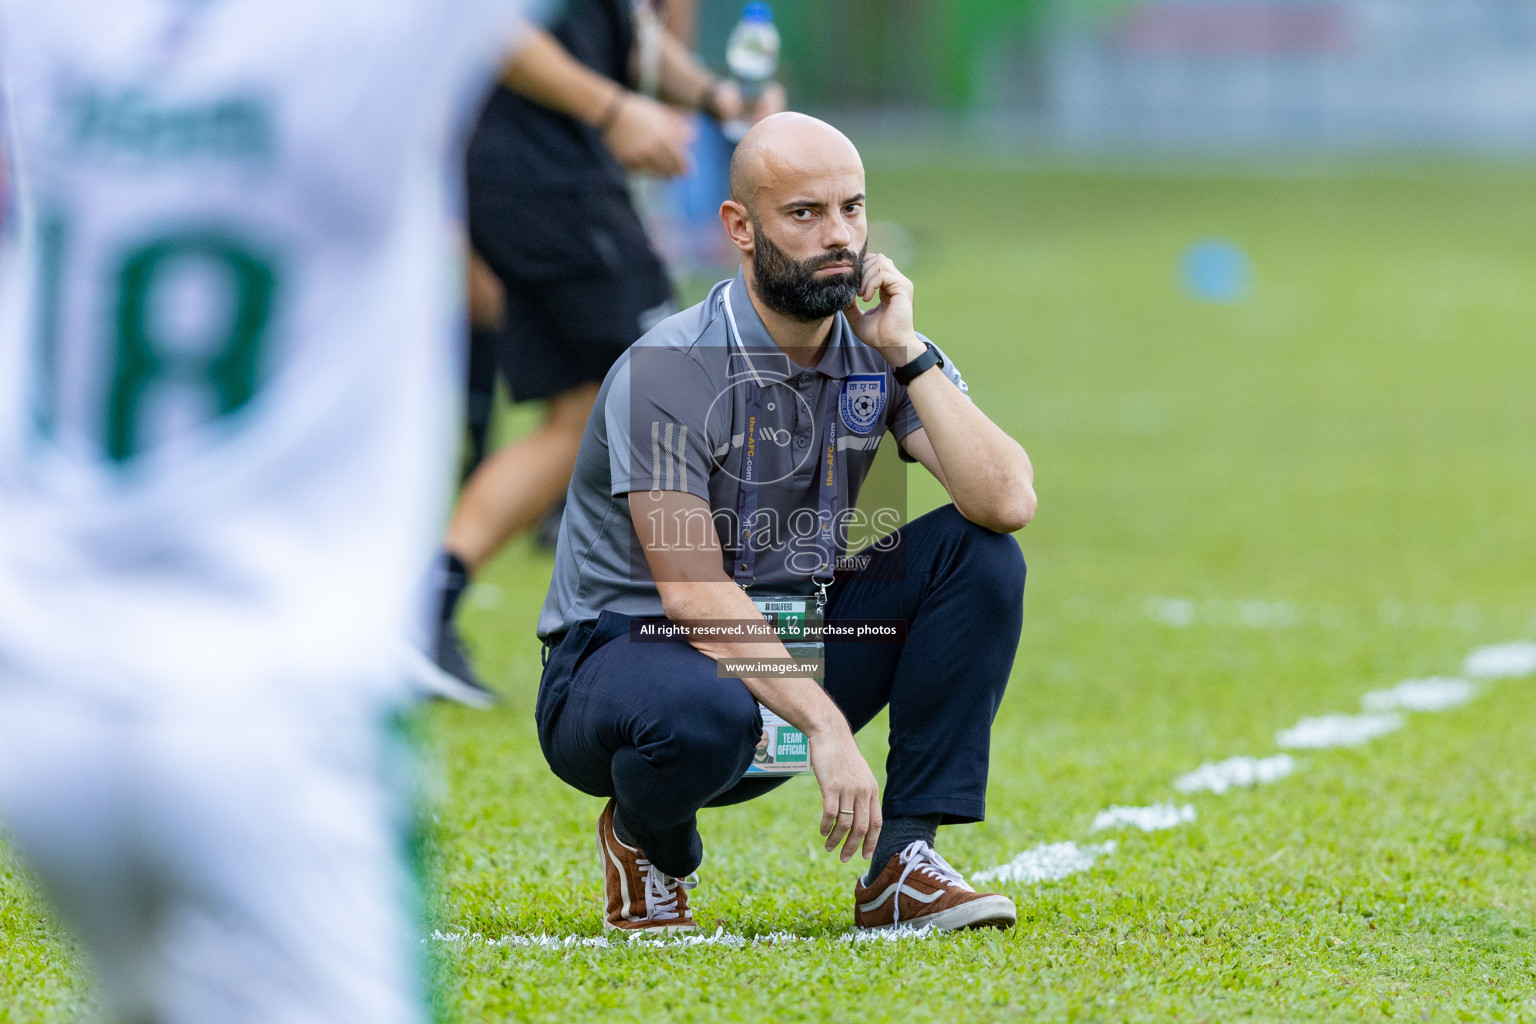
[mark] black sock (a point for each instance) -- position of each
(453, 580)
(623, 833)
(896, 834)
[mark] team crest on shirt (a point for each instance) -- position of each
(862, 401)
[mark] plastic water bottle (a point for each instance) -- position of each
(752, 54)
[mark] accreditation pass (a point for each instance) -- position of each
(784, 749)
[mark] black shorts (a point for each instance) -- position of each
(582, 283)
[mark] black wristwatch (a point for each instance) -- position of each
(927, 361)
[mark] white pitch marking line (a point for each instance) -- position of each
(1053, 861)
(1438, 693)
(1235, 772)
(1182, 612)
(1149, 819)
(896, 934)
(1502, 661)
(1337, 730)
(485, 596)
(720, 937)
(1046, 863)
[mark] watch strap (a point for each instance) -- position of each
(929, 359)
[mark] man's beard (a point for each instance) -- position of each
(791, 288)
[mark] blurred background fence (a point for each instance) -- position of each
(1325, 75)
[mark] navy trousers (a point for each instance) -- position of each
(650, 724)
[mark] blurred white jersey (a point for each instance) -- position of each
(230, 302)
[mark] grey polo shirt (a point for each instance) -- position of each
(672, 415)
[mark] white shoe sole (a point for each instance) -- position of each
(430, 681)
(992, 911)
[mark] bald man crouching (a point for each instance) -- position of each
(722, 466)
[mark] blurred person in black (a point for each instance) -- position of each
(551, 217)
(486, 317)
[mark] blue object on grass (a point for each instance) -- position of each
(1216, 270)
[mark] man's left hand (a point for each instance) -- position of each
(888, 326)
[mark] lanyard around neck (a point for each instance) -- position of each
(744, 567)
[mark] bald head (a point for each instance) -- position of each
(790, 151)
(796, 215)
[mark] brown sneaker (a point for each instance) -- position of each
(918, 889)
(642, 899)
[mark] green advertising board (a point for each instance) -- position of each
(901, 53)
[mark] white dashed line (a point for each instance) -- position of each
(1054, 861)
(1235, 773)
(1439, 693)
(1337, 731)
(1502, 661)
(1046, 863)
(1148, 819)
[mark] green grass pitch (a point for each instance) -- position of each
(1352, 445)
